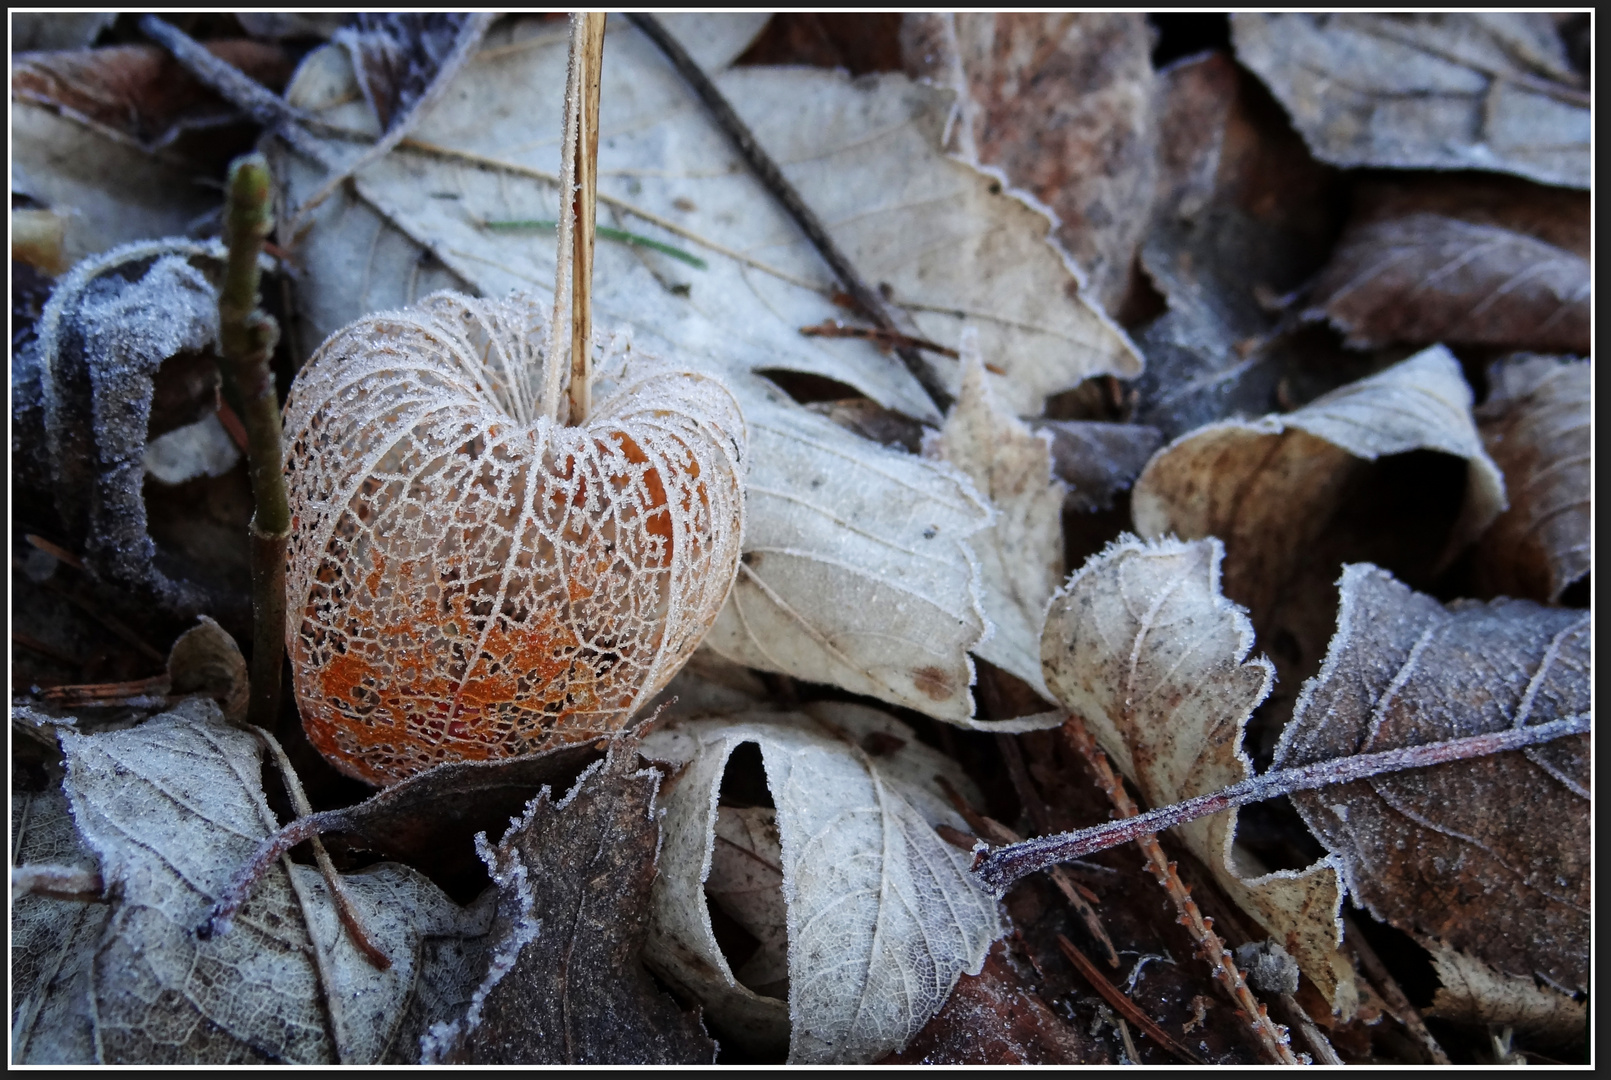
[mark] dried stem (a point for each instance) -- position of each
(767, 171)
(1127, 1008)
(1040, 814)
(1271, 1038)
(246, 339)
(263, 106)
(345, 908)
(269, 849)
(588, 56)
(1002, 867)
(1391, 992)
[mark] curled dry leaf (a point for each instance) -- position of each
(102, 338)
(170, 809)
(565, 983)
(1426, 278)
(1490, 856)
(1487, 91)
(1144, 647)
(207, 660)
(883, 916)
(1476, 995)
(859, 574)
(1293, 496)
(1021, 553)
(467, 578)
(1242, 211)
(1535, 425)
(1061, 104)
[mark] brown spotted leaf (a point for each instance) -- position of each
(1060, 103)
(1145, 648)
(1535, 425)
(1490, 856)
(1426, 278)
(1434, 91)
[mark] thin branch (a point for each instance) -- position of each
(767, 171)
(1404, 1012)
(1002, 867)
(1271, 1038)
(345, 908)
(1127, 1008)
(263, 106)
(589, 56)
(246, 339)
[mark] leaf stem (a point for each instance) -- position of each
(767, 171)
(1005, 865)
(589, 27)
(246, 340)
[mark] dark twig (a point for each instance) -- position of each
(246, 339)
(993, 831)
(1002, 867)
(263, 106)
(1211, 947)
(1127, 1008)
(346, 910)
(767, 171)
(269, 849)
(1397, 1003)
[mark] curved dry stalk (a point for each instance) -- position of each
(1271, 1037)
(345, 908)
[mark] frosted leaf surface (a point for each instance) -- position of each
(883, 916)
(171, 809)
(1535, 425)
(467, 579)
(1489, 856)
(1489, 90)
(1142, 644)
(1021, 553)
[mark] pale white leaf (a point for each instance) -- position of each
(1144, 647)
(882, 915)
(1021, 553)
(172, 809)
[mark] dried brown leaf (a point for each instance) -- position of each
(1294, 496)
(1438, 91)
(1242, 211)
(1426, 278)
(1144, 647)
(1097, 460)
(1489, 856)
(1061, 104)
(140, 91)
(1479, 996)
(171, 808)
(1535, 425)
(996, 1018)
(566, 984)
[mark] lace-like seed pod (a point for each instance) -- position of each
(467, 579)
